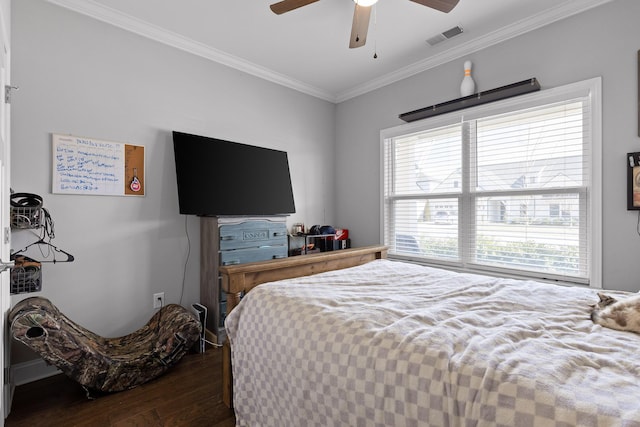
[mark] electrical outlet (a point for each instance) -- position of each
(158, 300)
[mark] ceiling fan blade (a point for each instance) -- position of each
(445, 6)
(289, 5)
(360, 26)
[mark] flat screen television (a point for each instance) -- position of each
(221, 178)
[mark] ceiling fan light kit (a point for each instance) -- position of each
(361, 14)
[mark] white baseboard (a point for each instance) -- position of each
(32, 370)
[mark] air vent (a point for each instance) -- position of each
(446, 35)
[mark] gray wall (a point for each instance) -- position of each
(83, 77)
(600, 42)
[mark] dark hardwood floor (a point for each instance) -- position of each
(189, 394)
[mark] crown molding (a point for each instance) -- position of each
(518, 28)
(111, 16)
(148, 30)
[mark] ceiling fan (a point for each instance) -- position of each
(361, 14)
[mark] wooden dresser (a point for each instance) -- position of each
(231, 241)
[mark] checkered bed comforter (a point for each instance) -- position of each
(396, 344)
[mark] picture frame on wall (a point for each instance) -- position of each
(633, 181)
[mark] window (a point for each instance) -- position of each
(511, 187)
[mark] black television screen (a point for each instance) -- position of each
(218, 177)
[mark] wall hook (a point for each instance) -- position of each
(7, 93)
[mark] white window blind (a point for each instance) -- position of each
(508, 187)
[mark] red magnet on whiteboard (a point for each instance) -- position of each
(135, 183)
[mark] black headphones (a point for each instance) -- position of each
(26, 200)
(27, 212)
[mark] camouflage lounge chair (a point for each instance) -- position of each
(104, 364)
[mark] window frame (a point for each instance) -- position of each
(591, 88)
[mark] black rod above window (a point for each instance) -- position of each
(514, 89)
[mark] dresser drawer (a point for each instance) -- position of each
(241, 256)
(252, 234)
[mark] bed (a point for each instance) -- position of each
(373, 342)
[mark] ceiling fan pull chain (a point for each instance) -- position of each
(356, 15)
(375, 32)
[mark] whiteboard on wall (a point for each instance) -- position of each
(93, 166)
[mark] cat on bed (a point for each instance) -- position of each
(621, 314)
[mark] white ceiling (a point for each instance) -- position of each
(307, 49)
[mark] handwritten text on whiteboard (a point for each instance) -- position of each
(87, 166)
